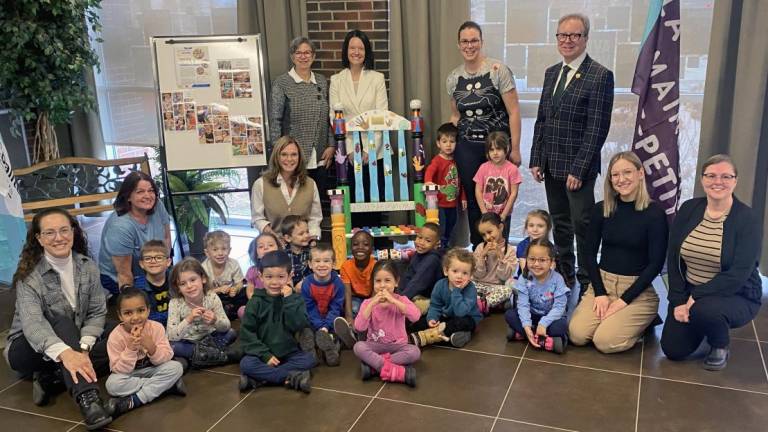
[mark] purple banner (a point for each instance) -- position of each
(657, 82)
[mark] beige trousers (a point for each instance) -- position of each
(620, 331)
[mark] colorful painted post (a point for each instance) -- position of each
(358, 168)
(389, 192)
(338, 226)
(340, 135)
(373, 166)
(417, 135)
(432, 210)
(402, 165)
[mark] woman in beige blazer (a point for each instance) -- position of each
(359, 88)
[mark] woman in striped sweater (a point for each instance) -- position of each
(714, 285)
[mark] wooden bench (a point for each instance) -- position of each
(81, 185)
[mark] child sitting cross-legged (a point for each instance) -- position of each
(272, 317)
(495, 260)
(139, 357)
(542, 297)
(265, 242)
(323, 294)
(198, 327)
(453, 312)
(386, 351)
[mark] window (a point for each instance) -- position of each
(125, 86)
(522, 34)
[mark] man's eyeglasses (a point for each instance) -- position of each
(573, 37)
(154, 258)
(65, 232)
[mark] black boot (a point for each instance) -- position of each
(40, 395)
(246, 383)
(717, 359)
(300, 381)
(93, 411)
(118, 406)
(178, 389)
(367, 372)
(207, 355)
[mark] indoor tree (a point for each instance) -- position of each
(46, 50)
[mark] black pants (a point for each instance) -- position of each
(25, 360)
(570, 212)
(452, 324)
(710, 317)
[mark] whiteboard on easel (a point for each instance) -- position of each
(212, 101)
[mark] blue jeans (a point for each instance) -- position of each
(253, 367)
(186, 348)
(356, 303)
(448, 218)
(110, 285)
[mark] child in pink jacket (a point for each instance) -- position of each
(386, 350)
(139, 357)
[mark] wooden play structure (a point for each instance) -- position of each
(421, 200)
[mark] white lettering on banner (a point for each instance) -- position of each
(657, 68)
(663, 88)
(650, 144)
(675, 26)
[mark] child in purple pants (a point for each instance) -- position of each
(386, 350)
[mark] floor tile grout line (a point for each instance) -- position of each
(230, 410)
(537, 425)
(342, 392)
(38, 414)
(11, 385)
(366, 407)
(478, 351)
(512, 381)
(76, 425)
(435, 407)
(639, 385)
(706, 385)
(581, 367)
(760, 350)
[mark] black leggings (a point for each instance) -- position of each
(710, 317)
(24, 359)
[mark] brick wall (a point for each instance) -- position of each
(329, 21)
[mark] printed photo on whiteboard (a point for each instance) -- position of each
(191, 118)
(168, 123)
(205, 133)
(167, 102)
(219, 109)
(239, 147)
(180, 126)
(227, 89)
(221, 136)
(178, 97)
(193, 67)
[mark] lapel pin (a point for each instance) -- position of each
(578, 75)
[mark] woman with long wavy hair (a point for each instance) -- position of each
(60, 315)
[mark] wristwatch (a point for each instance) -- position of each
(85, 347)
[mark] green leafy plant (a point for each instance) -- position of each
(46, 50)
(191, 209)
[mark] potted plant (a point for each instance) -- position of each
(193, 211)
(46, 51)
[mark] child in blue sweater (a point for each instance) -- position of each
(542, 297)
(425, 268)
(323, 293)
(453, 313)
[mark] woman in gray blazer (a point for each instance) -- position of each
(58, 334)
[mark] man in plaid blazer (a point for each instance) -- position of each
(571, 126)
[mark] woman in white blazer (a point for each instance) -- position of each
(359, 88)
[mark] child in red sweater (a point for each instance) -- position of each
(442, 172)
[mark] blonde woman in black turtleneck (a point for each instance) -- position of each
(631, 233)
